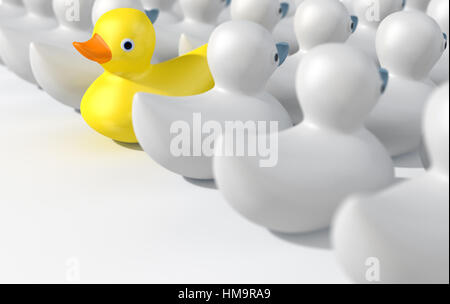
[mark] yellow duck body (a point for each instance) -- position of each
(123, 43)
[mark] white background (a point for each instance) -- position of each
(78, 207)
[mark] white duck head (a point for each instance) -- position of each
(338, 86)
(165, 5)
(42, 8)
(439, 11)
(293, 4)
(243, 55)
(102, 6)
(203, 10)
(323, 21)
(436, 129)
(371, 12)
(74, 14)
(409, 44)
(264, 12)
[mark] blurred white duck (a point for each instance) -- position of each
(17, 34)
(409, 44)
(416, 5)
(267, 13)
(103, 6)
(10, 9)
(439, 11)
(316, 22)
(320, 162)
(200, 20)
(284, 30)
(166, 14)
(370, 15)
(176, 9)
(406, 227)
(348, 4)
(225, 15)
(57, 67)
(242, 56)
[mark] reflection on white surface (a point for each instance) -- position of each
(75, 206)
(78, 207)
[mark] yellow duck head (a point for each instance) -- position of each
(123, 42)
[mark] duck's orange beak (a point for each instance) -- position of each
(94, 49)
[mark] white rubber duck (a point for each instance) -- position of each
(103, 6)
(242, 56)
(284, 30)
(176, 9)
(321, 161)
(401, 235)
(348, 4)
(370, 14)
(166, 15)
(439, 11)
(267, 13)
(316, 22)
(17, 34)
(225, 15)
(409, 44)
(10, 9)
(416, 5)
(200, 20)
(57, 67)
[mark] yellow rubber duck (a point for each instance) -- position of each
(123, 42)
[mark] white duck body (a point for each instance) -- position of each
(396, 120)
(321, 161)
(370, 14)
(405, 227)
(439, 11)
(154, 117)
(10, 9)
(200, 20)
(166, 15)
(242, 56)
(316, 22)
(282, 86)
(17, 34)
(224, 16)
(52, 56)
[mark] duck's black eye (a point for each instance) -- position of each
(127, 45)
(277, 57)
(445, 41)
